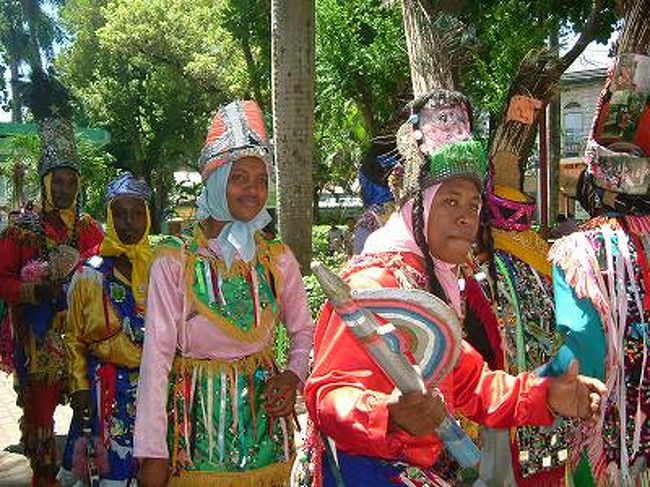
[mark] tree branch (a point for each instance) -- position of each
(587, 35)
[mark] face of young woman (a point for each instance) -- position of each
(129, 218)
(453, 220)
(247, 188)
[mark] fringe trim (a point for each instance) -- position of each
(39, 446)
(276, 475)
(566, 253)
(245, 365)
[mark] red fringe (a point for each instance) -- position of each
(106, 375)
(80, 458)
(554, 477)
(477, 301)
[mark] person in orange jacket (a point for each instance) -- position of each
(372, 435)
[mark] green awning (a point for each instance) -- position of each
(97, 137)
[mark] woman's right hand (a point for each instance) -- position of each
(417, 413)
(154, 472)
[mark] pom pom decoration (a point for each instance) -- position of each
(35, 271)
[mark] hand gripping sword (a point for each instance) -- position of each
(437, 333)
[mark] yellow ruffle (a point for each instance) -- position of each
(511, 194)
(527, 246)
(276, 475)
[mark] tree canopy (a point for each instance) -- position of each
(153, 71)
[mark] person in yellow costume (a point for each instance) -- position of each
(104, 339)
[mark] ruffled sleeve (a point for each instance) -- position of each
(81, 288)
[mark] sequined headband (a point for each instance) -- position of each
(509, 209)
(128, 185)
(618, 151)
(510, 215)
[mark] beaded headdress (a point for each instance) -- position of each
(59, 147)
(237, 131)
(618, 151)
(126, 184)
(437, 140)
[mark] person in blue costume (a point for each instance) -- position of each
(104, 337)
(378, 200)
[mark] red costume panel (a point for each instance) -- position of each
(347, 394)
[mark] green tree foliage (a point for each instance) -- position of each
(361, 56)
(151, 72)
(362, 75)
(97, 169)
(315, 294)
(509, 30)
(20, 168)
(248, 21)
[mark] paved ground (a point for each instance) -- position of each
(14, 468)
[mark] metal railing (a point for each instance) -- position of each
(573, 144)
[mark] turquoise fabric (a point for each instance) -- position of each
(579, 322)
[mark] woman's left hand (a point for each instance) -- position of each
(280, 393)
(576, 396)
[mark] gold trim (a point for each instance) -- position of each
(267, 255)
(527, 246)
(275, 475)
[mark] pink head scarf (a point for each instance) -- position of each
(397, 236)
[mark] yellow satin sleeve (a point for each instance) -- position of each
(92, 329)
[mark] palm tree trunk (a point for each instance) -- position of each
(30, 11)
(293, 46)
(430, 63)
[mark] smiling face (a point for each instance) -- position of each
(129, 218)
(247, 189)
(453, 220)
(64, 185)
